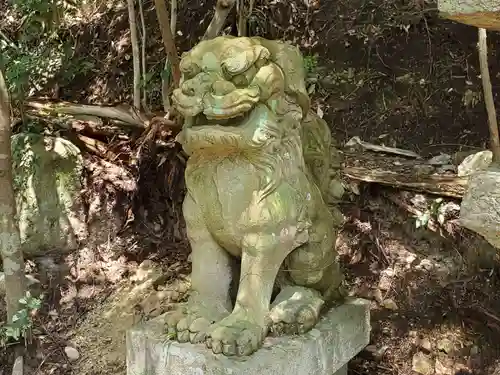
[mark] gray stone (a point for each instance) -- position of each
(422, 363)
(441, 159)
(480, 208)
(340, 334)
(475, 163)
(30, 281)
(47, 174)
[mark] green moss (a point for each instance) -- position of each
(47, 180)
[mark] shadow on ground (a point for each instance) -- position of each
(434, 309)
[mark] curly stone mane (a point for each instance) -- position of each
(293, 133)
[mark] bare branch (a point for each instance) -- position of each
(143, 57)
(125, 114)
(173, 17)
(244, 14)
(222, 10)
(165, 85)
(122, 113)
(135, 52)
(488, 95)
(168, 39)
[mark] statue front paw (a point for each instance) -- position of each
(191, 323)
(236, 335)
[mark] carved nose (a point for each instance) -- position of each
(222, 87)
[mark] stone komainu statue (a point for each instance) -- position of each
(255, 211)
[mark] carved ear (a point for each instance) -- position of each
(256, 56)
(236, 64)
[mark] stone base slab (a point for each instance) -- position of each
(340, 334)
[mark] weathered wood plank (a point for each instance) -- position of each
(479, 13)
(410, 174)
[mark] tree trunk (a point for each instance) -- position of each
(165, 85)
(222, 10)
(143, 57)
(10, 243)
(168, 39)
(135, 53)
(488, 95)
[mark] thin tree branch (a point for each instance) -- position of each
(123, 113)
(143, 57)
(488, 95)
(168, 39)
(222, 10)
(173, 17)
(165, 85)
(244, 14)
(135, 53)
(240, 11)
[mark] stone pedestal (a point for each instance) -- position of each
(341, 333)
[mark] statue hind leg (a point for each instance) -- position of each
(311, 277)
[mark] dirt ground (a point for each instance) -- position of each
(390, 72)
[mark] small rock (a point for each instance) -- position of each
(475, 162)
(424, 343)
(445, 345)
(441, 159)
(459, 156)
(386, 277)
(423, 169)
(377, 295)
(71, 353)
(18, 368)
(441, 369)
(422, 364)
(474, 350)
(389, 304)
(376, 352)
(447, 168)
(30, 282)
(425, 264)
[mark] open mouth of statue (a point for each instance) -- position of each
(234, 120)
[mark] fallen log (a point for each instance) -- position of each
(478, 13)
(399, 172)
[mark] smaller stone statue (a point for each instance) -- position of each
(255, 210)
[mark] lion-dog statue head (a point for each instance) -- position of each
(247, 95)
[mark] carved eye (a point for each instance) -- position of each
(240, 80)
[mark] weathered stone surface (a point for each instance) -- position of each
(30, 281)
(259, 172)
(325, 350)
(47, 174)
(478, 13)
(480, 208)
(476, 162)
